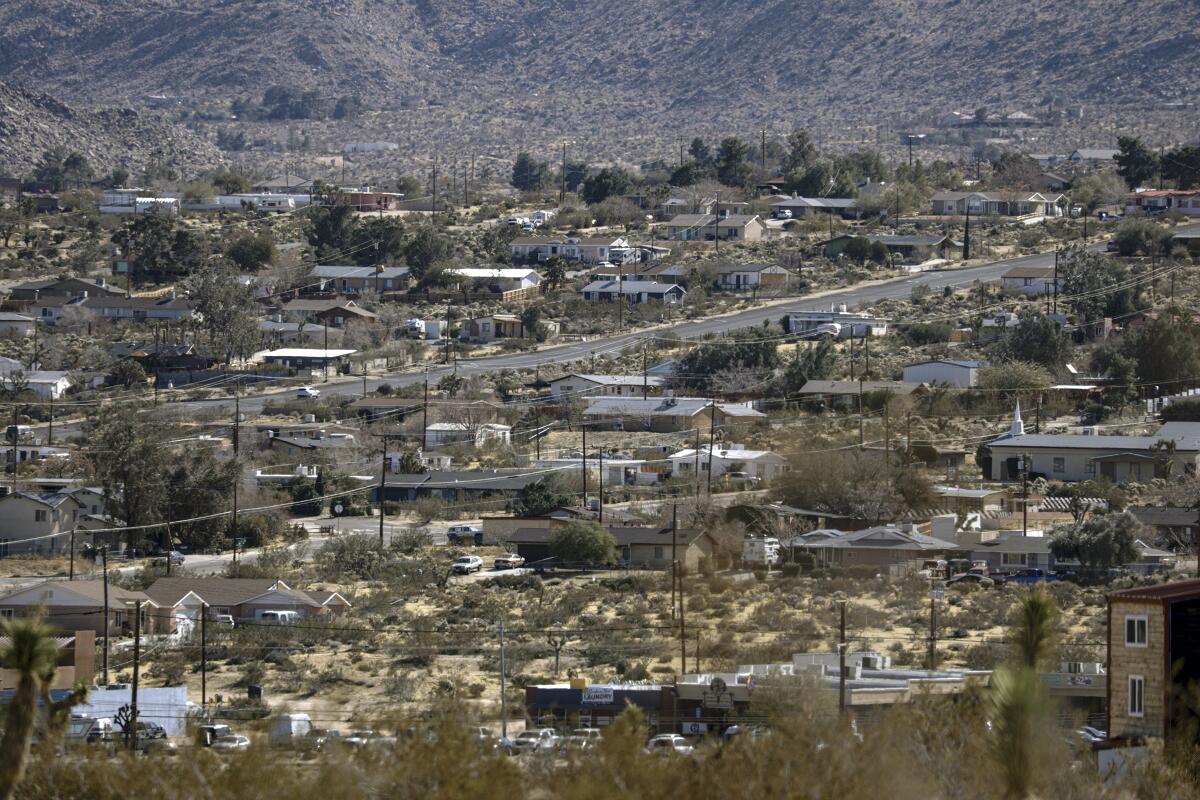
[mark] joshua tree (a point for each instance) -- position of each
(31, 652)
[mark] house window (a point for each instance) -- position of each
(1089, 468)
(39, 516)
(1060, 465)
(1135, 630)
(1137, 689)
(658, 554)
(6, 613)
(1014, 559)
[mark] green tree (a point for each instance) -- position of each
(1136, 236)
(226, 307)
(199, 486)
(608, 182)
(858, 249)
(690, 173)
(426, 247)
(129, 455)
(531, 323)
(1136, 163)
(410, 463)
(1182, 166)
(1098, 286)
(750, 348)
(1038, 340)
(252, 251)
(529, 175)
(148, 241)
(29, 649)
(701, 153)
(1165, 349)
(330, 230)
(127, 374)
(451, 384)
(584, 542)
(814, 362)
(542, 497)
(801, 153)
(1100, 542)
(556, 271)
(227, 182)
(1013, 378)
(733, 169)
(198, 192)
(879, 253)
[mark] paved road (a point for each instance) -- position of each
(852, 297)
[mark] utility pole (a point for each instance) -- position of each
(503, 699)
(50, 433)
(325, 354)
(600, 490)
(104, 557)
(717, 223)
(645, 372)
(583, 428)
(425, 414)
(842, 658)
(435, 166)
(697, 465)
(861, 431)
(204, 655)
(71, 573)
(1056, 251)
(382, 481)
(15, 437)
(682, 627)
(137, 653)
(932, 630)
(712, 435)
(1025, 494)
(887, 435)
(237, 420)
(674, 557)
(233, 526)
(562, 190)
(907, 438)
(851, 352)
(764, 152)
(967, 235)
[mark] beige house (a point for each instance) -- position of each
(79, 606)
(707, 227)
(1153, 660)
(41, 522)
(244, 599)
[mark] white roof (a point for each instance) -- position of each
(462, 426)
(480, 272)
(731, 455)
(615, 380)
(307, 352)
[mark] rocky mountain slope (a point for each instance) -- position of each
(705, 55)
(32, 123)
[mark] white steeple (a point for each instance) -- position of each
(1018, 426)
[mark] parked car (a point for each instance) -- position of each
(509, 561)
(220, 737)
(671, 743)
(455, 534)
(175, 558)
(224, 621)
(1028, 575)
(368, 738)
(151, 730)
(537, 739)
(308, 391)
(467, 564)
(975, 579)
(582, 739)
(280, 617)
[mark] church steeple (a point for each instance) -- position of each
(1018, 426)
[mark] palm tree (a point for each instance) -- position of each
(30, 651)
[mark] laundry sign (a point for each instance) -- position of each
(598, 695)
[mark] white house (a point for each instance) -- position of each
(944, 372)
(998, 204)
(760, 464)
(16, 324)
(504, 279)
(611, 249)
(441, 434)
(1033, 281)
(46, 384)
(571, 386)
(633, 292)
(837, 322)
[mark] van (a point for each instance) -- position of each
(280, 617)
(286, 729)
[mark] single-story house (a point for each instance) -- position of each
(838, 323)
(1053, 181)
(441, 434)
(46, 384)
(305, 358)
(1173, 527)
(12, 324)
(1185, 201)
(706, 227)
(880, 547)
(336, 313)
(1093, 155)
(760, 464)
(634, 292)
(595, 250)
(647, 548)
(164, 307)
(503, 326)
(79, 606)
(63, 287)
(1070, 457)
(1034, 281)
(357, 280)
(457, 486)
(245, 599)
(909, 247)
(375, 408)
(747, 277)
(944, 372)
(666, 414)
(998, 204)
(798, 207)
(499, 279)
(574, 385)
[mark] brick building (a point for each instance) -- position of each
(1153, 660)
